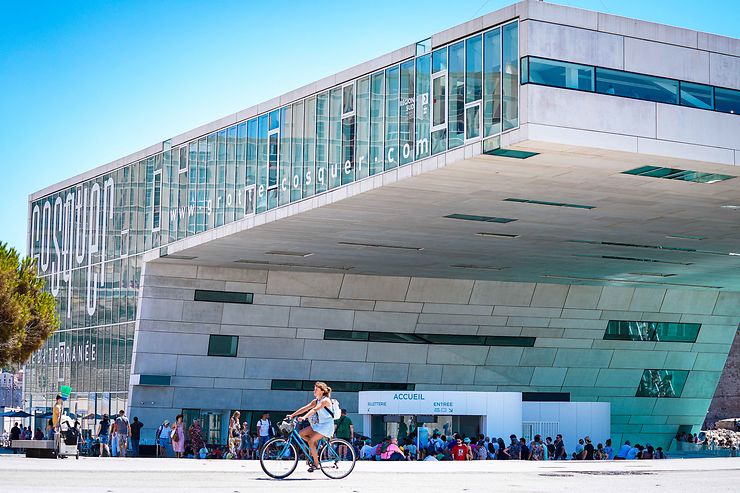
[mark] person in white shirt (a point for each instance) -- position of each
(263, 426)
(367, 452)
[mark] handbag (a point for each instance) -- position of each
(175, 436)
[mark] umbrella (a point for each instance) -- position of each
(90, 416)
(48, 414)
(16, 414)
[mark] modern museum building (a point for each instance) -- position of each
(542, 201)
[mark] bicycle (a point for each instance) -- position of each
(279, 456)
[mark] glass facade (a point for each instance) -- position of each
(557, 73)
(89, 238)
(622, 330)
(662, 383)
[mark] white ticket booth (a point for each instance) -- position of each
(489, 413)
(493, 414)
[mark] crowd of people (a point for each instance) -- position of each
(460, 447)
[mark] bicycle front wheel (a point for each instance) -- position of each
(278, 458)
(337, 458)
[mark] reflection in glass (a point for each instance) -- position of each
(296, 176)
(391, 117)
(456, 125)
(662, 383)
(347, 168)
(647, 87)
(697, 95)
(511, 75)
(309, 148)
(407, 112)
(322, 133)
(492, 82)
(560, 74)
(473, 69)
(624, 330)
(262, 163)
(423, 106)
(335, 137)
(362, 151)
(377, 121)
(472, 122)
(284, 157)
(348, 98)
(727, 100)
(439, 60)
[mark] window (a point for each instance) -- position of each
(558, 74)
(492, 82)
(662, 383)
(637, 86)
(456, 124)
(156, 199)
(407, 113)
(697, 95)
(677, 174)
(377, 122)
(219, 345)
(622, 330)
(485, 219)
(473, 69)
(510, 51)
(223, 296)
(422, 106)
(348, 99)
(447, 339)
(339, 386)
(727, 100)
(183, 164)
(391, 117)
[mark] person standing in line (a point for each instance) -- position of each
(537, 449)
(560, 452)
(178, 430)
(103, 435)
(246, 446)
(162, 436)
(123, 431)
(136, 427)
(588, 449)
(622, 454)
(15, 434)
(234, 433)
(550, 448)
(608, 450)
(345, 430)
(196, 436)
(263, 427)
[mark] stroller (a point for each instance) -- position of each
(69, 438)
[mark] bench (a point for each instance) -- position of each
(36, 448)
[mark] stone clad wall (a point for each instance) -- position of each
(281, 336)
(726, 402)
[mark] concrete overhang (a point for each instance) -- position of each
(642, 231)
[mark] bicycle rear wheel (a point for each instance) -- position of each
(337, 458)
(278, 458)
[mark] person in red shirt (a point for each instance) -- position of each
(461, 451)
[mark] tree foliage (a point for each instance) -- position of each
(27, 314)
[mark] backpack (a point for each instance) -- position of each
(335, 409)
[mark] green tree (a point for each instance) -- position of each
(27, 314)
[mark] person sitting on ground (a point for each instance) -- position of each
(367, 452)
(579, 454)
(622, 454)
(203, 452)
(634, 452)
(391, 451)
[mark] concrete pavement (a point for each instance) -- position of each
(20, 475)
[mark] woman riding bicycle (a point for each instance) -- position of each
(320, 419)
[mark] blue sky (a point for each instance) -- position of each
(85, 82)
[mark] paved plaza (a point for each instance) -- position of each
(19, 474)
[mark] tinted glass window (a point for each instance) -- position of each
(636, 86)
(561, 74)
(662, 383)
(697, 95)
(219, 345)
(727, 100)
